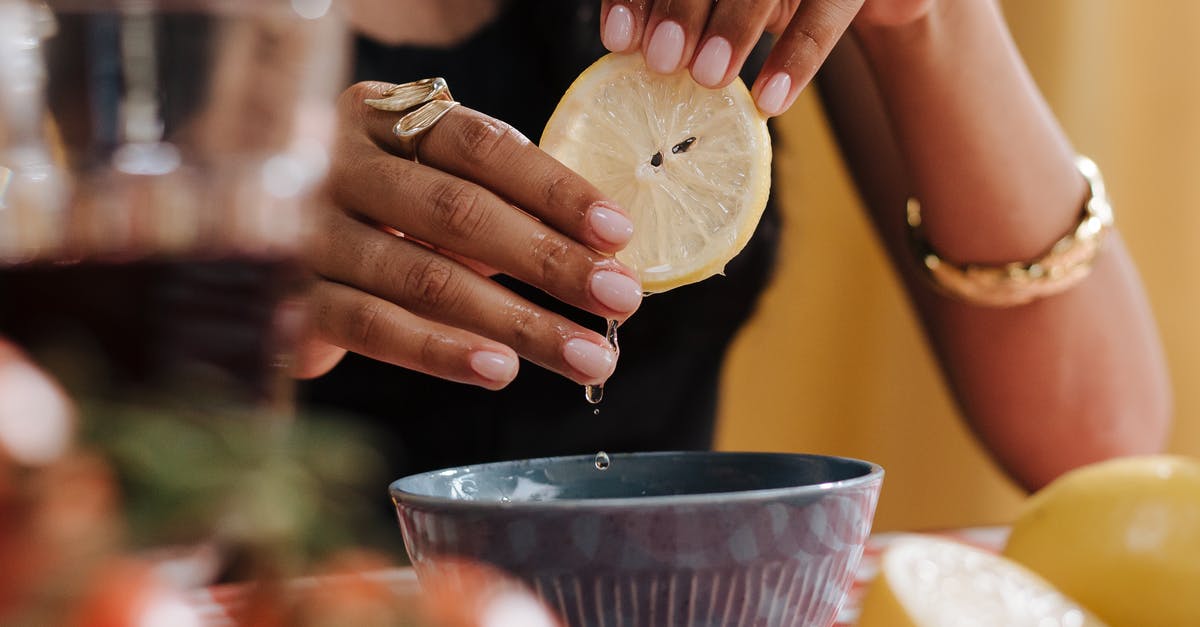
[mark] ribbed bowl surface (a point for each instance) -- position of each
(658, 539)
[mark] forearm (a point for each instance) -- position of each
(1047, 386)
(991, 167)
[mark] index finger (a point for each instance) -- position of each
(494, 155)
(497, 157)
(810, 36)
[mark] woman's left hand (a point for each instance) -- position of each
(713, 39)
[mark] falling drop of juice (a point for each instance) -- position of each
(595, 393)
(602, 461)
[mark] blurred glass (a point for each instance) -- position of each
(156, 161)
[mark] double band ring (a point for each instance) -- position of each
(420, 104)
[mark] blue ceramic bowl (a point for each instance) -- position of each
(658, 539)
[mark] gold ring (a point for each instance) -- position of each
(421, 104)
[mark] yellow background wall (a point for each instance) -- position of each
(833, 361)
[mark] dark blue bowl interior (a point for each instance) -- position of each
(633, 476)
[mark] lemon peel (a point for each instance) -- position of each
(1122, 537)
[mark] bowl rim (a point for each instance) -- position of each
(874, 474)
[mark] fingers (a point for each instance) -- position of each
(357, 321)
(441, 292)
(803, 47)
(733, 30)
(452, 214)
(623, 24)
(714, 39)
(671, 33)
(315, 357)
(682, 33)
(404, 296)
(483, 150)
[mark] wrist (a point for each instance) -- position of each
(983, 153)
(883, 38)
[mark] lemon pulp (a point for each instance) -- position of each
(691, 165)
(932, 582)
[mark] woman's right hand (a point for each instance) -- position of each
(714, 39)
(481, 197)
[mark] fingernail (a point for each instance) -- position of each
(618, 30)
(666, 47)
(492, 366)
(773, 97)
(713, 62)
(616, 291)
(610, 225)
(590, 359)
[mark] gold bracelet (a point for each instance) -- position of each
(1064, 265)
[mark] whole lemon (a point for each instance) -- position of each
(1122, 537)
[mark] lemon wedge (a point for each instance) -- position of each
(931, 582)
(692, 165)
(1122, 537)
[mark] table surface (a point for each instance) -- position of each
(216, 604)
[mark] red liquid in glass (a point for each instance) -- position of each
(194, 332)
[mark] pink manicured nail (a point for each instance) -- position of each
(616, 291)
(773, 98)
(590, 359)
(666, 47)
(618, 29)
(492, 366)
(610, 225)
(713, 62)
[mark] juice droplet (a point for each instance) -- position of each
(505, 499)
(596, 412)
(595, 393)
(602, 461)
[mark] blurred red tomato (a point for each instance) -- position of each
(461, 593)
(125, 593)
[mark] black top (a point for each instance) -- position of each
(663, 394)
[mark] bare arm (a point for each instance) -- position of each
(943, 109)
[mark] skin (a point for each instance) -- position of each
(928, 98)
(420, 300)
(420, 22)
(1060, 382)
(807, 32)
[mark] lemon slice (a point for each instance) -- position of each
(930, 582)
(692, 165)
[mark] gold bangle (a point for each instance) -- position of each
(1063, 266)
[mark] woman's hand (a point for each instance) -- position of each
(481, 197)
(713, 39)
